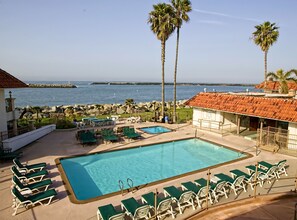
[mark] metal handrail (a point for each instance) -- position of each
(121, 186)
(130, 182)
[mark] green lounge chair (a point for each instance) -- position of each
(87, 138)
(264, 175)
(6, 154)
(108, 212)
(201, 192)
(164, 205)
(108, 135)
(130, 133)
(281, 167)
(182, 198)
(44, 184)
(217, 189)
(28, 168)
(32, 200)
(248, 178)
(135, 210)
(33, 176)
(235, 184)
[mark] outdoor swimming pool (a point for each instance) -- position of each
(155, 129)
(95, 175)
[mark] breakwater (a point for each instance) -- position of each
(94, 110)
(52, 86)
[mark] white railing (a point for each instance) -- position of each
(215, 126)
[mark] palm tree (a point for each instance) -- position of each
(161, 23)
(283, 78)
(181, 7)
(265, 36)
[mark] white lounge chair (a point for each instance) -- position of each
(43, 198)
(182, 198)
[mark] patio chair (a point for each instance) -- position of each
(33, 176)
(199, 191)
(236, 184)
(135, 210)
(28, 168)
(130, 133)
(281, 167)
(164, 205)
(182, 198)
(108, 135)
(217, 189)
(31, 200)
(248, 178)
(108, 212)
(44, 184)
(87, 137)
(264, 175)
(6, 154)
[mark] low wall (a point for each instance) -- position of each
(22, 140)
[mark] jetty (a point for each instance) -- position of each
(66, 86)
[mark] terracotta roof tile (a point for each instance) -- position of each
(274, 85)
(283, 109)
(9, 81)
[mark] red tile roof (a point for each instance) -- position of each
(9, 81)
(274, 85)
(282, 109)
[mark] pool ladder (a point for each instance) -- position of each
(130, 185)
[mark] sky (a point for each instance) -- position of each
(95, 40)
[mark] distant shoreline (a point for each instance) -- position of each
(179, 84)
(31, 85)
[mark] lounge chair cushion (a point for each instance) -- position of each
(108, 211)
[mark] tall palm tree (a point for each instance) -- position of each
(283, 78)
(161, 23)
(265, 36)
(181, 7)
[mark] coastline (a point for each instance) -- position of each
(33, 85)
(178, 84)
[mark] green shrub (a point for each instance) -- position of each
(64, 124)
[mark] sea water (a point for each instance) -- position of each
(86, 93)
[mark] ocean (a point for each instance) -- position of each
(85, 93)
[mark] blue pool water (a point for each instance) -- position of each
(99, 174)
(155, 129)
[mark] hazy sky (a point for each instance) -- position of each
(97, 40)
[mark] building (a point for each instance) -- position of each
(273, 86)
(8, 117)
(272, 117)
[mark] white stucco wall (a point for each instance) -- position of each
(22, 140)
(3, 120)
(208, 118)
(292, 143)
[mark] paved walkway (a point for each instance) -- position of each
(63, 143)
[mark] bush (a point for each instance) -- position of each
(64, 124)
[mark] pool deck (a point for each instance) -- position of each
(63, 143)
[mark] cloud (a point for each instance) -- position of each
(227, 15)
(211, 22)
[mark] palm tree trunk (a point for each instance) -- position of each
(175, 74)
(163, 76)
(265, 68)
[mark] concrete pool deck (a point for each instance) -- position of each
(63, 143)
